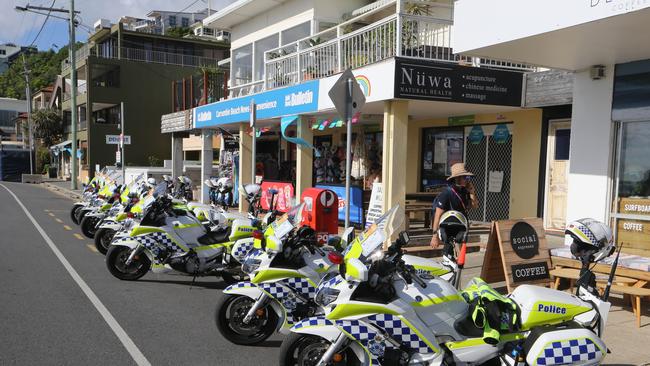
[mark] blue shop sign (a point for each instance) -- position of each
(476, 135)
(356, 203)
(302, 98)
(501, 134)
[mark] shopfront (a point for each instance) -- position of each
(631, 115)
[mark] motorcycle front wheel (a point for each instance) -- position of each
(230, 314)
(74, 212)
(103, 238)
(116, 258)
(80, 214)
(307, 350)
(88, 224)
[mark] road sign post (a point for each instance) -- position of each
(348, 98)
(253, 121)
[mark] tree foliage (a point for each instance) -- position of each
(178, 31)
(44, 67)
(48, 125)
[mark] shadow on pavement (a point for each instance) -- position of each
(219, 285)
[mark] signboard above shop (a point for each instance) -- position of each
(301, 98)
(427, 80)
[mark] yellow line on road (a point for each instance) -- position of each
(78, 236)
(67, 227)
(58, 220)
(46, 210)
(92, 248)
(51, 214)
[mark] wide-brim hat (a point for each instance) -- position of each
(458, 170)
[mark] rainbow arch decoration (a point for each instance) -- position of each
(364, 83)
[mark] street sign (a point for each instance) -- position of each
(118, 157)
(115, 139)
(339, 94)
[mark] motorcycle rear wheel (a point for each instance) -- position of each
(306, 350)
(103, 238)
(88, 224)
(229, 314)
(115, 261)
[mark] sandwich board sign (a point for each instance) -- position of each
(516, 252)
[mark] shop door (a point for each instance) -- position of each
(488, 154)
(557, 169)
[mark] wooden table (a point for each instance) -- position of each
(573, 275)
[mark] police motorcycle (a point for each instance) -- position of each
(183, 189)
(120, 220)
(90, 215)
(378, 311)
(285, 266)
(90, 192)
(170, 238)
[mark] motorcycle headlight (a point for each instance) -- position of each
(251, 265)
(326, 296)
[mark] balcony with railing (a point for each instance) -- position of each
(142, 55)
(349, 45)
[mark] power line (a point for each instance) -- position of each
(47, 17)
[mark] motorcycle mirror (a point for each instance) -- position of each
(335, 257)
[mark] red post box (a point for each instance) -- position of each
(321, 212)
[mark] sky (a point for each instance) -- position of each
(21, 28)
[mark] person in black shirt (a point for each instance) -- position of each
(459, 196)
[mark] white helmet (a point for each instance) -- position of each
(151, 182)
(453, 224)
(592, 240)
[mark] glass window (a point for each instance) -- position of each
(262, 46)
(441, 148)
(108, 115)
(242, 65)
(295, 33)
(634, 168)
(172, 20)
(562, 142)
(185, 22)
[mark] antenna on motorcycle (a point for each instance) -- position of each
(611, 273)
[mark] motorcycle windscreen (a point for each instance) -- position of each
(370, 242)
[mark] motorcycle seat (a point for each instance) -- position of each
(215, 237)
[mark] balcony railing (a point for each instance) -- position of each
(142, 55)
(80, 54)
(336, 49)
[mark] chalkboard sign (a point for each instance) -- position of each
(516, 253)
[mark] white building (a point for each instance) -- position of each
(604, 43)
(426, 106)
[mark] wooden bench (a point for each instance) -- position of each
(573, 274)
(635, 293)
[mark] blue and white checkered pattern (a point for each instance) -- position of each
(240, 251)
(400, 332)
(568, 352)
(275, 289)
(362, 333)
(301, 286)
(585, 230)
(317, 321)
(150, 240)
(243, 284)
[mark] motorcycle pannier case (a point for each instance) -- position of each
(566, 345)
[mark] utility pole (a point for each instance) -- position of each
(122, 137)
(28, 96)
(73, 77)
(73, 98)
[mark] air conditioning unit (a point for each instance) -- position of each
(222, 36)
(101, 24)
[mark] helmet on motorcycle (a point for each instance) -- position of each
(592, 240)
(184, 179)
(151, 182)
(453, 225)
